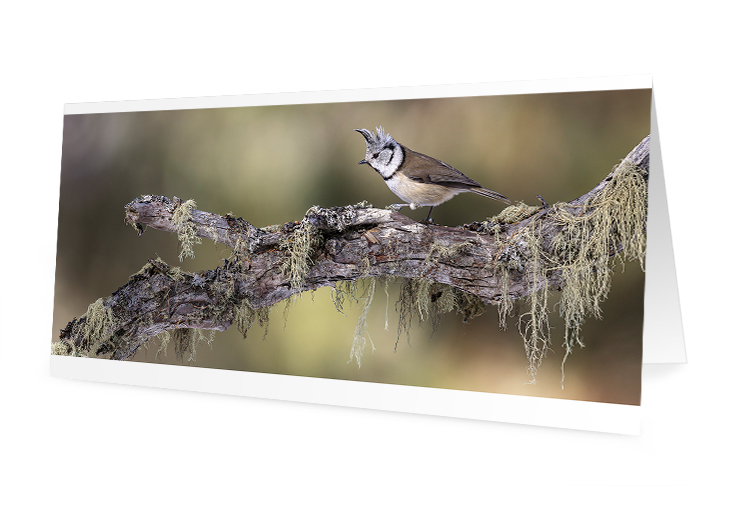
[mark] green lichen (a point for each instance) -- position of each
(60, 348)
(386, 282)
(338, 218)
(515, 213)
(341, 291)
(187, 232)
(612, 223)
(245, 317)
(176, 274)
(439, 252)
(146, 268)
(361, 334)
(301, 246)
(87, 337)
(164, 338)
(182, 341)
(213, 232)
(306, 239)
(188, 339)
(534, 325)
(240, 247)
(99, 322)
(429, 301)
(419, 297)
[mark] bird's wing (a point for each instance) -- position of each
(423, 168)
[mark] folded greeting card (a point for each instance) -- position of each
(479, 251)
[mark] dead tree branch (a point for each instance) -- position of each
(488, 260)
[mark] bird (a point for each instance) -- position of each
(417, 179)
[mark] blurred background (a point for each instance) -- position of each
(270, 164)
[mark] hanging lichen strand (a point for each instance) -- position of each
(607, 229)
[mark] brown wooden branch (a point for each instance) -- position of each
(326, 247)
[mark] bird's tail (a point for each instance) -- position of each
(491, 194)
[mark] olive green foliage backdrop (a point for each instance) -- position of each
(271, 164)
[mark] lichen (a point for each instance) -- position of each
(186, 341)
(176, 274)
(534, 324)
(240, 247)
(611, 223)
(361, 334)
(439, 252)
(99, 322)
(60, 348)
(146, 268)
(429, 301)
(213, 232)
(191, 339)
(341, 291)
(419, 296)
(187, 232)
(181, 342)
(386, 282)
(338, 218)
(301, 246)
(245, 316)
(164, 338)
(515, 213)
(88, 336)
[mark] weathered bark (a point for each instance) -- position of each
(325, 247)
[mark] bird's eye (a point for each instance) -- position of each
(375, 156)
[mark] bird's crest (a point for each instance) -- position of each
(379, 140)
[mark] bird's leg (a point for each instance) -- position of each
(427, 219)
(395, 207)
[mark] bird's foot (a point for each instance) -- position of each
(544, 203)
(395, 207)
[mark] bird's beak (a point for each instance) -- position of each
(363, 161)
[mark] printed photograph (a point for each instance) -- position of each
(486, 243)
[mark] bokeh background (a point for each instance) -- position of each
(271, 164)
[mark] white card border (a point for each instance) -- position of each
(561, 413)
(663, 334)
(571, 414)
(369, 94)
